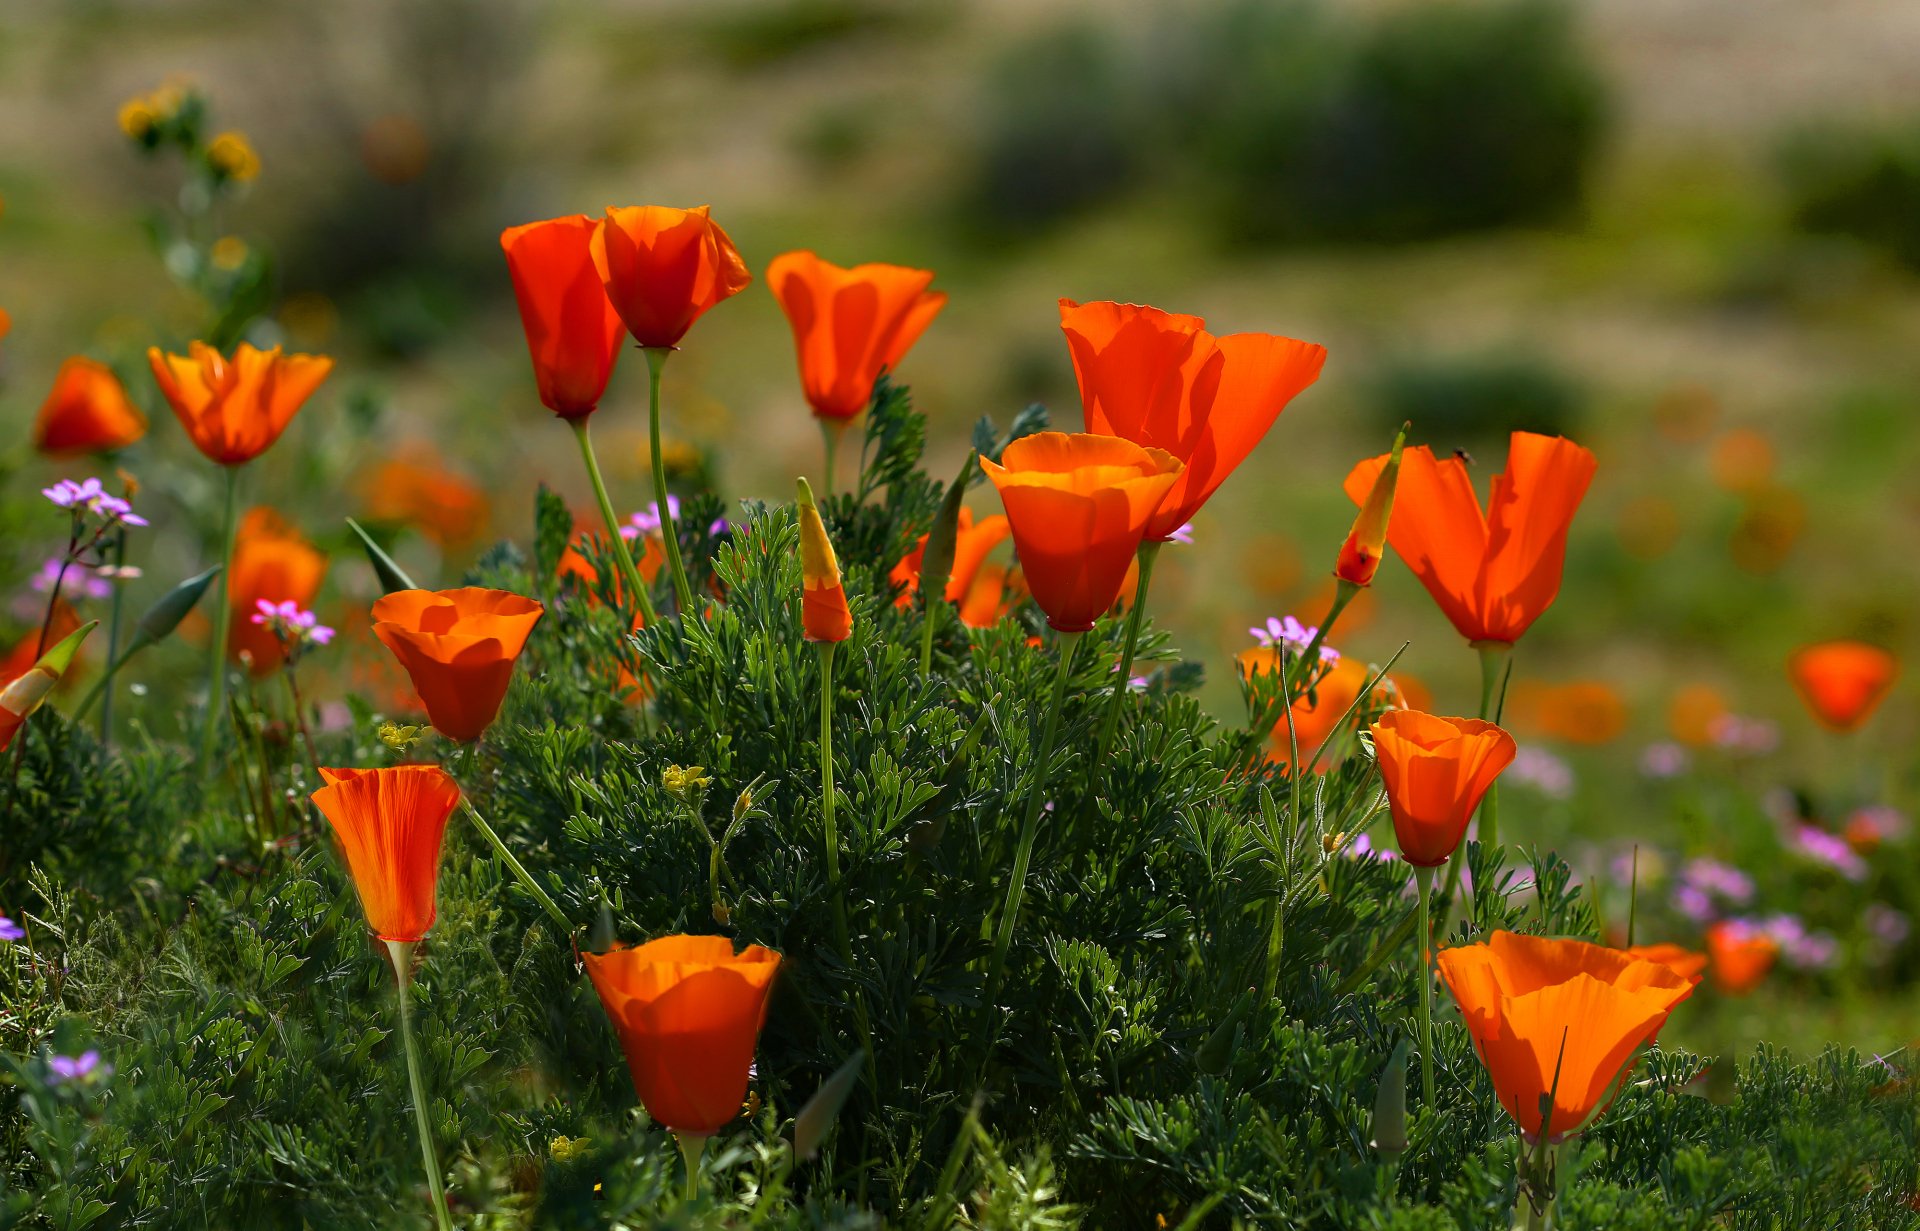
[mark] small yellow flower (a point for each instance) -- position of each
(752, 1106)
(742, 804)
(1332, 842)
(232, 157)
(683, 781)
(398, 737)
(722, 913)
(137, 119)
(566, 1149)
(229, 252)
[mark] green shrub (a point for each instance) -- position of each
(1476, 400)
(1860, 183)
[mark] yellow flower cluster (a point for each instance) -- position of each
(683, 781)
(141, 115)
(231, 157)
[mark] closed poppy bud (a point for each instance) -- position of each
(234, 409)
(573, 333)
(1740, 953)
(973, 539)
(1559, 1017)
(1436, 770)
(1685, 962)
(390, 823)
(1843, 682)
(1367, 541)
(272, 562)
(823, 600)
(688, 1011)
(663, 268)
(458, 647)
(850, 325)
(26, 692)
(87, 412)
(1079, 506)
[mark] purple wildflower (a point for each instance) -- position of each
(1829, 849)
(1885, 924)
(1363, 848)
(1663, 760)
(293, 626)
(11, 931)
(77, 1068)
(1287, 633)
(80, 578)
(1541, 770)
(647, 520)
(91, 497)
(1183, 535)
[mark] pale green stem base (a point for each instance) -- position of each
(682, 593)
(692, 1147)
(1423, 878)
(222, 626)
(623, 558)
(832, 432)
(1149, 552)
(401, 951)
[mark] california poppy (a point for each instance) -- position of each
(27, 691)
(272, 561)
(1079, 506)
(996, 590)
(850, 325)
(1558, 1016)
(1843, 682)
(458, 647)
(1366, 543)
(824, 615)
(975, 538)
(1579, 712)
(1318, 711)
(1741, 954)
(1492, 573)
(1162, 381)
(573, 333)
(688, 1011)
(88, 411)
(234, 409)
(663, 268)
(418, 490)
(390, 823)
(1435, 771)
(1685, 962)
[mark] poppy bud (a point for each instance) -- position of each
(24, 695)
(1367, 541)
(1390, 1106)
(823, 613)
(164, 616)
(815, 1120)
(936, 559)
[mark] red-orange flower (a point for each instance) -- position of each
(663, 268)
(447, 507)
(1687, 963)
(824, 615)
(87, 412)
(1161, 380)
(688, 1011)
(235, 409)
(1436, 770)
(1580, 711)
(573, 333)
(1079, 506)
(1741, 955)
(1558, 1016)
(997, 589)
(973, 540)
(850, 325)
(390, 822)
(1317, 714)
(458, 647)
(1843, 682)
(1492, 573)
(271, 561)
(1360, 554)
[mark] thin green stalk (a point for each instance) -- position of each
(1029, 827)
(1633, 895)
(623, 558)
(1149, 552)
(113, 633)
(222, 624)
(832, 432)
(514, 866)
(682, 593)
(934, 603)
(1493, 658)
(1423, 878)
(401, 951)
(1343, 592)
(832, 832)
(692, 1146)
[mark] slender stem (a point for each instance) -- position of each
(401, 951)
(1029, 827)
(1423, 878)
(934, 604)
(1149, 552)
(1493, 659)
(222, 624)
(831, 830)
(514, 866)
(53, 599)
(1343, 592)
(113, 634)
(692, 1146)
(300, 716)
(832, 432)
(1381, 952)
(682, 593)
(1633, 894)
(623, 559)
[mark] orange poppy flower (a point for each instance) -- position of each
(1316, 716)
(271, 561)
(87, 412)
(458, 647)
(1741, 955)
(448, 508)
(1539, 1009)
(390, 822)
(663, 268)
(996, 590)
(29, 689)
(1579, 712)
(1493, 573)
(823, 599)
(235, 409)
(1079, 506)
(1683, 961)
(975, 538)
(1436, 770)
(850, 324)
(1843, 682)
(688, 1011)
(573, 333)
(1161, 380)
(649, 558)
(1695, 713)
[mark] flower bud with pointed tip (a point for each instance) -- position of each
(824, 615)
(29, 691)
(1367, 541)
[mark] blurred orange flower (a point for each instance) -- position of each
(1742, 461)
(458, 647)
(448, 508)
(1316, 716)
(390, 823)
(235, 409)
(573, 333)
(688, 1011)
(1160, 380)
(1540, 1009)
(1435, 771)
(850, 325)
(271, 561)
(1492, 573)
(997, 589)
(1741, 955)
(970, 547)
(1579, 712)
(1685, 962)
(1079, 506)
(1695, 713)
(663, 268)
(1842, 682)
(87, 412)
(823, 599)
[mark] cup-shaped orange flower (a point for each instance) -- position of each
(88, 411)
(1495, 572)
(850, 325)
(971, 543)
(1366, 543)
(272, 561)
(1162, 381)
(573, 333)
(234, 409)
(688, 1011)
(824, 615)
(458, 648)
(663, 268)
(390, 822)
(1843, 682)
(1740, 954)
(1436, 770)
(1689, 964)
(1558, 1016)
(1079, 505)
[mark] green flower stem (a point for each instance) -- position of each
(401, 951)
(1029, 828)
(1343, 592)
(682, 593)
(222, 625)
(514, 866)
(113, 633)
(1423, 878)
(1494, 657)
(832, 832)
(1149, 552)
(623, 558)
(832, 432)
(692, 1146)
(934, 604)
